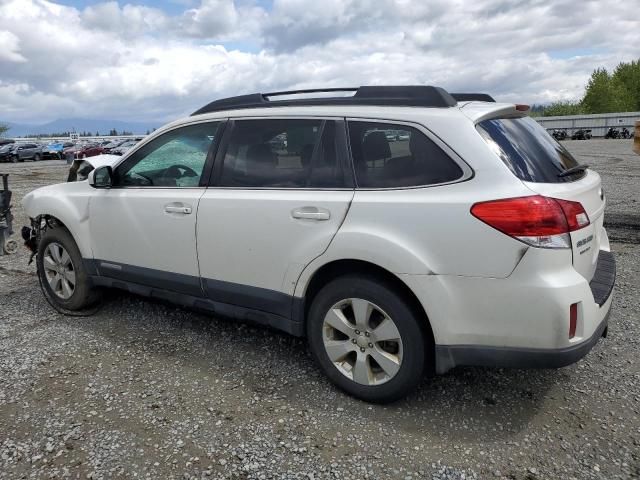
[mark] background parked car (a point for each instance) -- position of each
(5, 152)
(6, 141)
(113, 144)
(90, 150)
(71, 151)
(54, 150)
(124, 148)
(26, 151)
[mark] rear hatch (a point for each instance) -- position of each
(548, 169)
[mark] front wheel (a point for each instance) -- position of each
(36, 157)
(367, 338)
(63, 277)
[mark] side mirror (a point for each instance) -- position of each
(101, 177)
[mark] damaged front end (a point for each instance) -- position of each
(32, 235)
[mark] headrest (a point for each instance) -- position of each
(305, 154)
(375, 146)
(260, 153)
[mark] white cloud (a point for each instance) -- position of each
(130, 20)
(129, 61)
(219, 20)
(9, 48)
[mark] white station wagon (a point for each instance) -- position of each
(400, 229)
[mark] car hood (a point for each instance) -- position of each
(103, 160)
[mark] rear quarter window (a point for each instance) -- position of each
(528, 150)
(387, 155)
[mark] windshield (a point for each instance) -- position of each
(528, 150)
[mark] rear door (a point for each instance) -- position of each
(280, 191)
(543, 165)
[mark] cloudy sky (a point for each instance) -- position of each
(155, 61)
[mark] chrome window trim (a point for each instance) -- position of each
(467, 171)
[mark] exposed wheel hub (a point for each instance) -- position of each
(362, 341)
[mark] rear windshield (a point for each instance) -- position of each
(528, 150)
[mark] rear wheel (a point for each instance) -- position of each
(36, 157)
(63, 277)
(367, 339)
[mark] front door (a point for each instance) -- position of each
(143, 228)
(281, 190)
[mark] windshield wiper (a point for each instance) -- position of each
(572, 170)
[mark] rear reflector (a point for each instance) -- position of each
(573, 319)
(536, 220)
(522, 108)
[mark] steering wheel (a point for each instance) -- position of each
(179, 171)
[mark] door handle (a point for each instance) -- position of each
(311, 213)
(177, 208)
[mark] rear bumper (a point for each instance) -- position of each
(520, 321)
(449, 356)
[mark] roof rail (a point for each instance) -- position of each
(397, 96)
(470, 97)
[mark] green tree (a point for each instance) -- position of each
(4, 128)
(563, 108)
(602, 94)
(626, 77)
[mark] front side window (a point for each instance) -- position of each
(386, 155)
(282, 153)
(174, 159)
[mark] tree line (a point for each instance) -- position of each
(618, 91)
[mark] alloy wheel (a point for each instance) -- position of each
(362, 341)
(59, 270)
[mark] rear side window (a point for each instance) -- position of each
(528, 150)
(282, 153)
(387, 155)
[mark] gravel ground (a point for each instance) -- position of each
(143, 389)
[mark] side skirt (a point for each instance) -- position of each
(204, 304)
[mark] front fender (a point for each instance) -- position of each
(68, 203)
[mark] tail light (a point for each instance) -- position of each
(536, 220)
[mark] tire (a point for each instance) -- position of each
(402, 374)
(14, 159)
(36, 157)
(82, 295)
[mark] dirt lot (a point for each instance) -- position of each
(146, 390)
